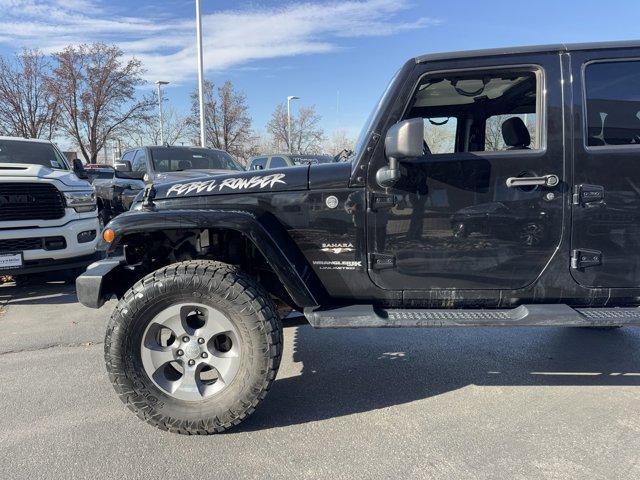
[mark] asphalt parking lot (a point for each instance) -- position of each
(475, 403)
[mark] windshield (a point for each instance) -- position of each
(362, 137)
(176, 159)
(34, 153)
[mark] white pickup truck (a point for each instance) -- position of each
(48, 217)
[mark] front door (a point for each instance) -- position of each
(483, 207)
(606, 202)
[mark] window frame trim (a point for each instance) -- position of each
(598, 149)
(541, 105)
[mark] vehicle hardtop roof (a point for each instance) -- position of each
(173, 146)
(559, 47)
(22, 139)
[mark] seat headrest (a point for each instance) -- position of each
(515, 133)
(184, 165)
(621, 128)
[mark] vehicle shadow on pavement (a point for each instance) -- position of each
(38, 293)
(352, 371)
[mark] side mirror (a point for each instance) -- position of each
(78, 169)
(123, 166)
(404, 140)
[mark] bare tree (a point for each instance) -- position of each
(146, 130)
(96, 90)
(227, 119)
(338, 142)
(306, 134)
(440, 135)
(27, 108)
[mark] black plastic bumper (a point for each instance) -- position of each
(51, 265)
(94, 287)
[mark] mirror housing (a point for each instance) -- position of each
(404, 140)
(78, 169)
(122, 166)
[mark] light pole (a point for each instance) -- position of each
(200, 73)
(289, 98)
(160, 84)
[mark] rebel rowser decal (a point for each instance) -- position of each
(235, 183)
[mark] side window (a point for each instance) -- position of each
(613, 103)
(483, 111)
(128, 156)
(277, 162)
(139, 162)
(493, 135)
(440, 134)
(259, 163)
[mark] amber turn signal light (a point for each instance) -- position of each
(108, 235)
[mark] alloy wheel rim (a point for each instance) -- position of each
(191, 351)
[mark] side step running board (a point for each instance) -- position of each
(560, 315)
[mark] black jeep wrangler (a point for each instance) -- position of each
(406, 234)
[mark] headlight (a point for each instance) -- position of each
(82, 201)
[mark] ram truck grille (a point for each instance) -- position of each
(30, 201)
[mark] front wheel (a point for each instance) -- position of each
(194, 347)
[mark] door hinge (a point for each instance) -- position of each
(381, 261)
(582, 258)
(382, 201)
(588, 195)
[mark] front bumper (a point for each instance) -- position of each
(75, 254)
(51, 265)
(97, 284)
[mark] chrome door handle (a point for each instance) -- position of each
(545, 181)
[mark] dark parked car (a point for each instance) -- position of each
(279, 160)
(201, 266)
(96, 170)
(156, 164)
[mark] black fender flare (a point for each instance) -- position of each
(262, 228)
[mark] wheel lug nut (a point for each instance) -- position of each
(185, 339)
(180, 353)
(201, 341)
(203, 354)
(192, 363)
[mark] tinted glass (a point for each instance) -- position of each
(139, 164)
(277, 162)
(613, 103)
(34, 153)
(176, 159)
(128, 156)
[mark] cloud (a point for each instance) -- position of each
(232, 38)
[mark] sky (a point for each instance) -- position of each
(336, 55)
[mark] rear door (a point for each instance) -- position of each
(606, 190)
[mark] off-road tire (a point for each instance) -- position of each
(230, 291)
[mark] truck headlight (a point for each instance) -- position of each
(81, 201)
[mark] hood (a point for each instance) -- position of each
(163, 177)
(276, 180)
(25, 172)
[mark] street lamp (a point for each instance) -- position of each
(289, 98)
(160, 84)
(200, 73)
